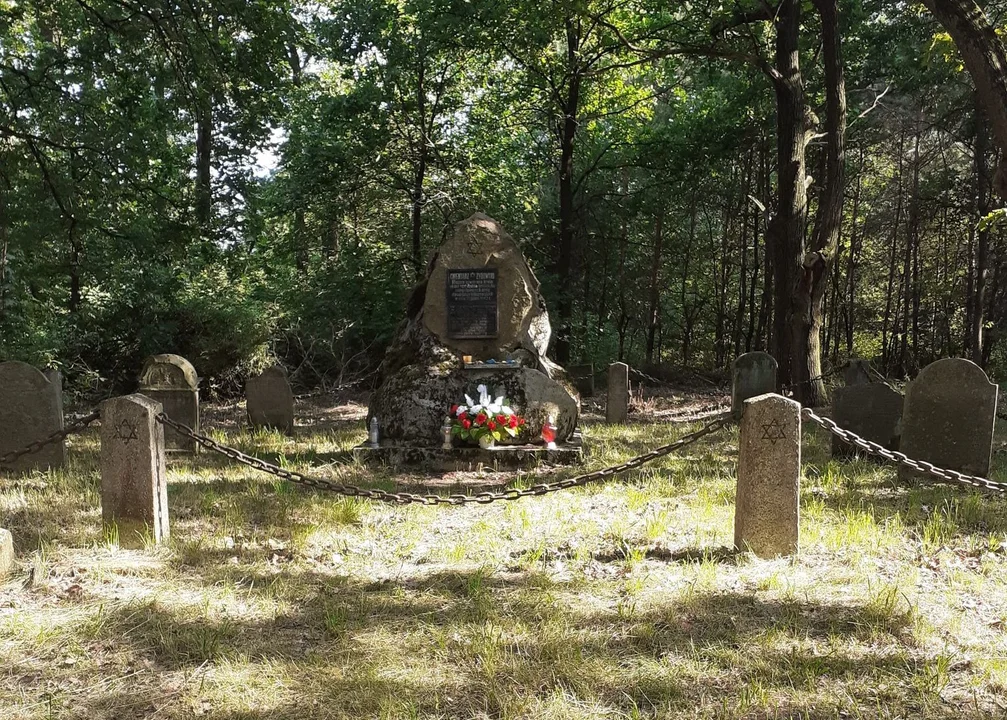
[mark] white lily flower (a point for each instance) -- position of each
(506, 410)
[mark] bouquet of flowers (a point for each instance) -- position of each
(485, 421)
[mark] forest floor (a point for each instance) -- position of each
(620, 600)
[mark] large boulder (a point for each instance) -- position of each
(423, 373)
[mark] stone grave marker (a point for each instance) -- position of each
(6, 552)
(767, 512)
(873, 411)
(754, 373)
(134, 489)
(270, 401)
(617, 406)
(583, 378)
(31, 409)
(857, 372)
(172, 381)
(948, 418)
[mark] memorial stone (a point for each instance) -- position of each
(873, 411)
(767, 510)
(134, 489)
(31, 409)
(6, 552)
(172, 381)
(269, 400)
(477, 319)
(582, 377)
(754, 373)
(857, 372)
(948, 418)
(617, 406)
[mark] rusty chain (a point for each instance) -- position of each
(74, 427)
(403, 498)
(949, 476)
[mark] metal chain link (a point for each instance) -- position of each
(74, 427)
(403, 498)
(950, 476)
(825, 375)
(648, 378)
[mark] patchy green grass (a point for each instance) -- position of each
(622, 600)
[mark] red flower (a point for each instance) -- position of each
(513, 422)
(501, 419)
(466, 423)
(521, 422)
(454, 409)
(463, 417)
(492, 425)
(480, 418)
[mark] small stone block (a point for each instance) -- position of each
(583, 378)
(134, 489)
(872, 411)
(172, 381)
(767, 510)
(6, 553)
(754, 374)
(270, 401)
(857, 372)
(617, 406)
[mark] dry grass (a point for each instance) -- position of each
(616, 601)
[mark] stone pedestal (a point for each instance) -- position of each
(172, 381)
(270, 401)
(31, 409)
(134, 489)
(617, 406)
(6, 553)
(753, 374)
(767, 514)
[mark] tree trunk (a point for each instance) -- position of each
(982, 205)
(985, 57)
(653, 312)
(204, 149)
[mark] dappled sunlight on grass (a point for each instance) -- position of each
(618, 600)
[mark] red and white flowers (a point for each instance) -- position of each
(488, 418)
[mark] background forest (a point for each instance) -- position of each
(237, 181)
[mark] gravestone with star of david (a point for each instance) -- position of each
(134, 490)
(767, 515)
(31, 409)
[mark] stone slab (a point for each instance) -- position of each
(501, 457)
(583, 378)
(269, 401)
(873, 411)
(134, 488)
(767, 506)
(753, 374)
(31, 409)
(857, 372)
(617, 404)
(172, 381)
(948, 418)
(6, 553)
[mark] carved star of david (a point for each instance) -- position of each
(475, 246)
(774, 431)
(125, 431)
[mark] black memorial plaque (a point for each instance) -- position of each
(472, 303)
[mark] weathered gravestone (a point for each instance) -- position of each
(948, 418)
(6, 552)
(31, 409)
(477, 319)
(754, 374)
(857, 372)
(872, 411)
(270, 401)
(134, 488)
(172, 381)
(582, 377)
(617, 405)
(767, 511)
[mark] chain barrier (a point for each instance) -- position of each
(824, 376)
(403, 498)
(648, 378)
(74, 427)
(700, 413)
(882, 379)
(949, 476)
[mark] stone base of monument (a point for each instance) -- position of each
(471, 459)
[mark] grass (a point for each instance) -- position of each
(621, 600)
